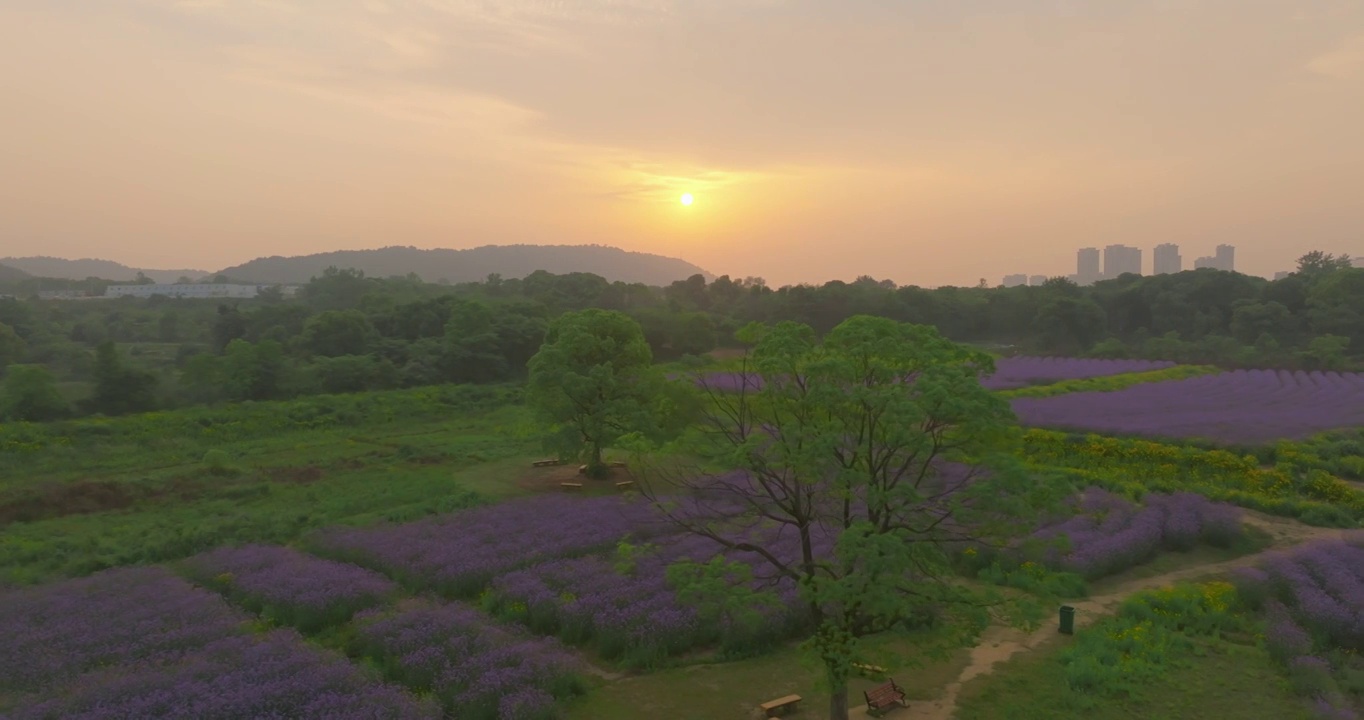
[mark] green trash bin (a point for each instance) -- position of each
(1067, 619)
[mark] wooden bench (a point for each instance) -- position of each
(546, 463)
(884, 696)
(571, 486)
(780, 706)
(625, 484)
(869, 669)
(617, 463)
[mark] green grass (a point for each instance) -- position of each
(104, 493)
(1225, 680)
(1109, 383)
(735, 689)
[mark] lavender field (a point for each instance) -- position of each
(1313, 599)
(1236, 407)
(1010, 373)
(142, 643)
(290, 587)
(1109, 534)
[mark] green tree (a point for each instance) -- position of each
(1069, 325)
(472, 344)
(591, 384)
(1327, 352)
(30, 394)
(253, 371)
(120, 389)
(11, 346)
(857, 469)
(338, 332)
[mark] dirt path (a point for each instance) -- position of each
(999, 643)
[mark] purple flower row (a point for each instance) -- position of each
(272, 677)
(458, 555)
(476, 666)
(1241, 406)
(291, 587)
(143, 643)
(1109, 534)
(1313, 595)
(630, 611)
(55, 632)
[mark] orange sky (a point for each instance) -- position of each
(919, 141)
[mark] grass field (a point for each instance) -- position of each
(1226, 680)
(84, 495)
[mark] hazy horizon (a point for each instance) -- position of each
(928, 145)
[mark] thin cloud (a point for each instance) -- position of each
(1341, 63)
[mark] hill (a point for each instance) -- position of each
(11, 274)
(510, 261)
(61, 268)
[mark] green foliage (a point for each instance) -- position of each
(12, 347)
(120, 389)
(218, 462)
(1151, 635)
(30, 394)
(851, 433)
(592, 383)
(1110, 383)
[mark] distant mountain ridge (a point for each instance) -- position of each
(12, 274)
(61, 268)
(474, 264)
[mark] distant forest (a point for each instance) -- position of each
(346, 332)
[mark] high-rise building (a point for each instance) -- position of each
(1166, 259)
(1015, 280)
(1282, 274)
(1205, 262)
(1226, 258)
(1036, 280)
(1087, 268)
(1120, 260)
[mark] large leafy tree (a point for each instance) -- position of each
(592, 383)
(855, 469)
(30, 394)
(119, 388)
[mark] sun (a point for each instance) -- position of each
(686, 199)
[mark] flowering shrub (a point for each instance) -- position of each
(459, 554)
(272, 676)
(290, 587)
(1313, 600)
(55, 632)
(1136, 466)
(633, 613)
(1110, 534)
(1150, 635)
(473, 664)
(1241, 406)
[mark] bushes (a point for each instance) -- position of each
(1151, 634)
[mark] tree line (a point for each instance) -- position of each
(345, 332)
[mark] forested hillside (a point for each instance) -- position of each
(474, 264)
(349, 332)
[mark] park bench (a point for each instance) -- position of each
(546, 463)
(617, 463)
(884, 695)
(780, 706)
(625, 484)
(869, 669)
(571, 486)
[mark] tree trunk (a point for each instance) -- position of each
(595, 467)
(838, 701)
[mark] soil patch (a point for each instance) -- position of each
(550, 477)
(296, 475)
(58, 499)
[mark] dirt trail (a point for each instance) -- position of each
(999, 643)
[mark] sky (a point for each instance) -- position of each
(928, 142)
